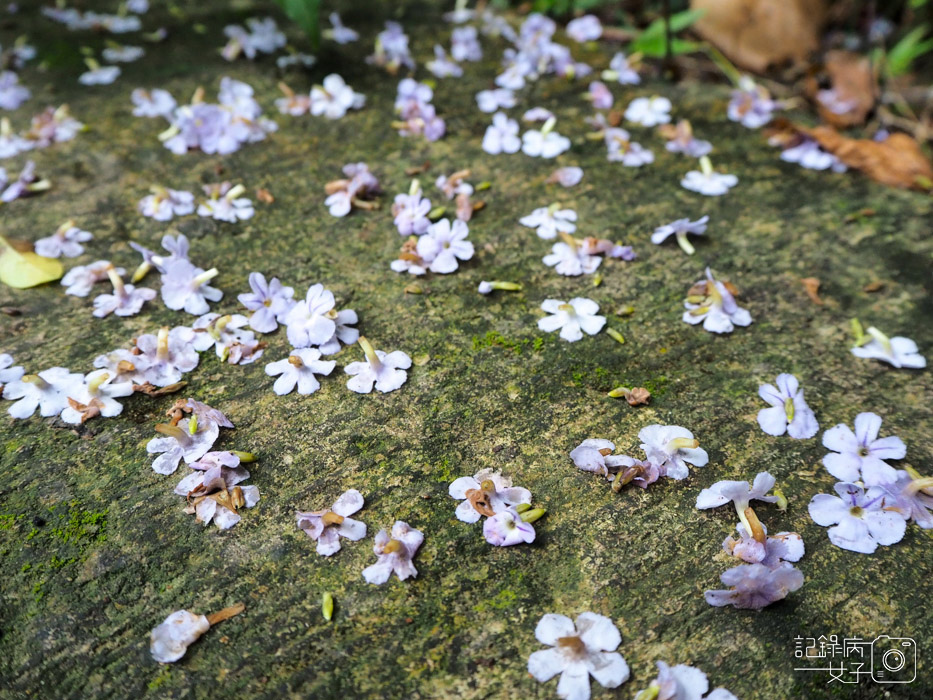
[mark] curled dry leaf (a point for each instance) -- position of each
(845, 90)
(756, 34)
(811, 285)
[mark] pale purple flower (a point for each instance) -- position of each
(909, 494)
(224, 203)
(860, 520)
(619, 147)
(600, 95)
(101, 390)
(327, 526)
(394, 554)
(360, 182)
(708, 182)
(12, 144)
(897, 351)
(48, 391)
(784, 546)
(302, 60)
(169, 641)
(442, 66)
(443, 245)
(100, 75)
(339, 33)
(751, 105)
(126, 300)
(344, 333)
(740, 494)
(9, 373)
(311, 321)
(53, 126)
(755, 586)
(682, 682)
(573, 318)
(682, 140)
(164, 204)
(789, 411)
(649, 111)
(622, 71)
(65, 241)
(862, 454)
(80, 279)
(263, 37)
(549, 221)
(392, 50)
(809, 155)
(270, 302)
(715, 308)
(298, 370)
(567, 177)
(578, 651)
(411, 213)
(216, 474)
(544, 143)
(571, 259)
(585, 28)
(123, 54)
(423, 122)
(228, 336)
(23, 186)
(411, 96)
(680, 228)
(464, 44)
(292, 104)
(334, 98)
(191, 439)
(139, 7)
(490, 101)
(595, 455)
(453, 185)
(165, 356)
(502, 135)
(12, 94)
(507, 528)
(485, 493)
(184, 286)
(672, 448)
(384, 370)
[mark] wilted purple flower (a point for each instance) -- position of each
(861, 521)
(311, 321)
(909, 494)
(164, 357)
(169, 641)
(339, 33)
(345, 193)
(384, 370)
(391, 50)
(224, 203)
(80, 279)
(740, 494)
(751, 105)
(599, 95)
(298, 369)
(48, 391)
(755, 586)
(595, 455)
(507, 528)
(329, 525)
(270, 302)
(12, 94)
(784, 546)
(464, 44)
(897, 351)
(394, 554)
(573, 318)
(189, 439)
(411, 213)
(789, 411)
(711, 303)
(228, 335)
(97, 395)
(485, 493)
(619, 147)
(566, 177)
(571, 259)
(502, 135)
(577, 652)
(549, 221)
(682, 683)
(443, 245)
(649, 111)
(24, 185)
(442, 66)
(862, 454)
(65, 241)
(490, 101)
(126, 299)
(212, 492)
(680, 229)
(681, 140)
(672, 448)
(53, 126)
(585, 28)
(165, 203)
(334, 98)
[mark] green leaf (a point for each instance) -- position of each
(23, 270)
(307, 15)
(907, 50)
(653, 37)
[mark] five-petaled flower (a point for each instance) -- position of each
(861, 521)
(329, 525)
(485, 493)
(755, 586)
(713, 304)
(898, 351)
(861, 454)
(573, 318)
(298, 369)
(385, 371)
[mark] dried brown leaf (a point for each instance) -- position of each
(811, 285)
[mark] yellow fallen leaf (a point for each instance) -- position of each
(23, 270)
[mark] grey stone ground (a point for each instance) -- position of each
(96, 549)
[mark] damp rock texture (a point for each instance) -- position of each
(96, 549)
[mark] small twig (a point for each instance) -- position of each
(225, 614)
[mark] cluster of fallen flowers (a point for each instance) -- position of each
(221, 128)
(394, 554)
(417, 116)
(223, 202)
(508, 511)
(51, 126)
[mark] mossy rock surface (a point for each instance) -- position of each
(96, 549)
